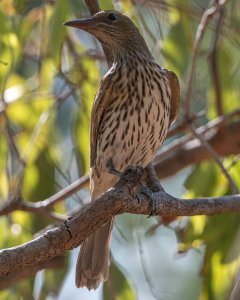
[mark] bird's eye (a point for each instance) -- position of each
(112, 17)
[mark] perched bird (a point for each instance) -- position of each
(136, 102)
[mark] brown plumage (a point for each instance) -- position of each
(132, 111)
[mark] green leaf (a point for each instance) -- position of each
(20, 5)
(5, 24)
(203, 179)
(57, 29)
(106, 4)
(117, 285)
(178, 41)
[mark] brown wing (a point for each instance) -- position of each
(175, 95)
(101, 101)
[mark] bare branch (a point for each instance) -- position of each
(217, 159)
(43, 207)
(186, 152)
(118, 200)
(207, 15)
(93, 7)
(34, 207)
(65, 193)
(214, 63)
(54, 263)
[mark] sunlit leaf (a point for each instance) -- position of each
(203, 179)
(57, 29)
(118, 285)
(5, 24)
(178, 41)
(20, 5)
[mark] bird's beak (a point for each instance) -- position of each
(81, 24)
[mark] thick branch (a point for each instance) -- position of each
(14, 277)
(118, 200)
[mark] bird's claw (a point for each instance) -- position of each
(147, 193)
(131, 173)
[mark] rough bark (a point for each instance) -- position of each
(118, 200)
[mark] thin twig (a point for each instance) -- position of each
(215, 156)
(37, 208)
(13, 156)
(42, 121)
(183, 125)
(93, 7)
(66, 192)
(218, 17)
(207, 15)
(43, 207)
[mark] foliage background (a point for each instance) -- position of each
(48, 79)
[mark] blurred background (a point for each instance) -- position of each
(49, 75)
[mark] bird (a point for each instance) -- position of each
(133, 108)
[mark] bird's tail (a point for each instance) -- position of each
(93, 260)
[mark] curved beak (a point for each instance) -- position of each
(81, 24)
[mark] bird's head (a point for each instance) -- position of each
(111, 28)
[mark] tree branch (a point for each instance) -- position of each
(93, 7)
(207, 15)
(14, 277)
(118, 200)
(216, 158)
(213, 59)
(43, 207)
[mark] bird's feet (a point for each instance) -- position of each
(135, 175)
(152, 179)
(132, 174)
(147, 193)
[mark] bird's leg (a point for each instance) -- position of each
(152, 179)
(144, 191)
(111, 168)
(131, 173)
